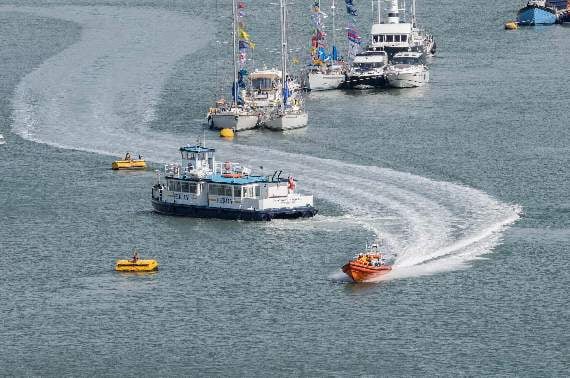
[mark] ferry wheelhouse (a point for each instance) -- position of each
(204, 188)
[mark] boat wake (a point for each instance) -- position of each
(100, 94)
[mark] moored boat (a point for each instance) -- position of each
(203, 188)
(407, 70)
(367, 265)
(2, 140)
(537, 12)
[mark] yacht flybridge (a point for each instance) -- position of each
(201, 187)
(395, 36)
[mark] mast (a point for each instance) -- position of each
(379, 11)
(414, 13)
(334, 39)
(283, 53)
(234, 32)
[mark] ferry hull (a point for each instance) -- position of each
(232, 214)
(361, 273)
(536, 15)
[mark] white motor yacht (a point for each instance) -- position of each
(407, 70)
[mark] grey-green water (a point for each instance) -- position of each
(440, 172)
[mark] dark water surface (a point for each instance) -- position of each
(437, 171)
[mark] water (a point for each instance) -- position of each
(465, 179)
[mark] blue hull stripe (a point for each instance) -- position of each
(233, 214)
(536, 16)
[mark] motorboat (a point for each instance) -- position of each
(201, 187)
(367, 265)
(407, 70)
(129, 163)
(2, 140)
(394, 36)
(367, 70)
(537, 12)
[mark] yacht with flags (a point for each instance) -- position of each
(201, 187)
(326, 70)
(290, 113)
(238, 115)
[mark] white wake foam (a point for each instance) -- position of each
(99, 95)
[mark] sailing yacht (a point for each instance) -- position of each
(326, 71)
(238, 115)
(290, 114)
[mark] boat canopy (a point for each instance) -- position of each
(403, 28)
(196, 149)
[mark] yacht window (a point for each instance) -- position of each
(389, 38)
(257, 191)
(404, 38)
(228, 191)
(397, 38)
(192, 188)
(184, 187)
(381, 38)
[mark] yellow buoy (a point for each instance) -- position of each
(136, 266)
(511, 25)
(227, 133)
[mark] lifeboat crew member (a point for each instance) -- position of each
(128, 156)
(135, 256)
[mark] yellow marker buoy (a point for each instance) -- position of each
(511, 25)
(136, 266)
(227, 133)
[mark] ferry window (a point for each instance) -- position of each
(184, 187)
(389, 38)
(227, 190)
(191, 188)
(257, 191)
(404, 38)
(177, 187)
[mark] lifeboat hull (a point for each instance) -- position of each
(139, 266)
(361, 273)
(129, 164)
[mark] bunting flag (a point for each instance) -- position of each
(318, 39)
(244, 45)
(352, 33)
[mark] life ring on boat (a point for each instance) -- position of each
(227, 165)
(232, 175)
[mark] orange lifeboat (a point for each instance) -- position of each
(367, 265)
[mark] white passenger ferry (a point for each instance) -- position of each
(201, 187)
